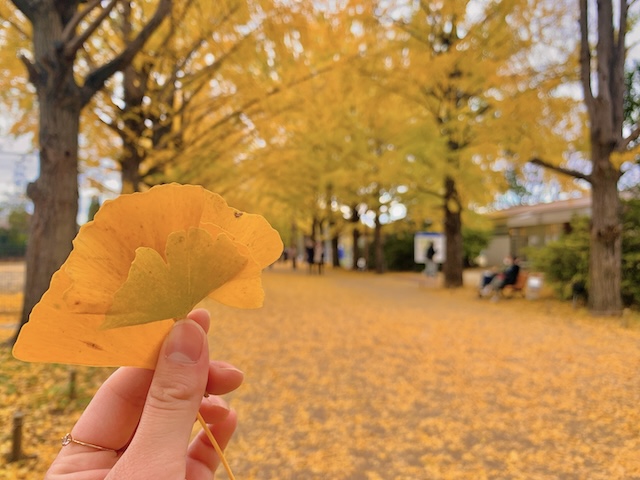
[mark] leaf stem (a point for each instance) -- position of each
(216, 447)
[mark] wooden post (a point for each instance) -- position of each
(72, 383)
(16, 446)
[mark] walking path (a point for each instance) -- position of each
(357, 376)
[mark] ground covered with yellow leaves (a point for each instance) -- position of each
(357, 376)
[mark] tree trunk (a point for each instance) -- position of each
(294, 246)
(134, 85)
(55, 192)
(55, 202)
(356, 248)
(453, 265)
(378, 246)
(335, 257)
(60, 99)
(606, 237)
(130, 168)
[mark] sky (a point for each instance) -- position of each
(19, 166)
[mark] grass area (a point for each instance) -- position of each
(43, 394)
(50, 405)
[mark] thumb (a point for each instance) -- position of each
(172, 403)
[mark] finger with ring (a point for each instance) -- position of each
(68, 439)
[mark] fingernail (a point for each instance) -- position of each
(219, 402)
(185, 342)
(231, 369)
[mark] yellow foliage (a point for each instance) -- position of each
(374, 377)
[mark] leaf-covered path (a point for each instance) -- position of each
(357, 376)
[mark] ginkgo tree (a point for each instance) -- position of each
(603, 48)
(173, 101)
(299, 133)
(223, 106)
(58, 31)
(436, 49)
(343, 159)
(452, 59)
(293, 167)
(382, 170)
(326, 137)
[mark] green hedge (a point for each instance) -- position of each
(567, 260)
(13, 239)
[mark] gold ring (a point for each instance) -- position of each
(68, 438)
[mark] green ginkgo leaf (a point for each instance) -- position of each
(196, 265)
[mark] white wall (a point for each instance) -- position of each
(498, 248)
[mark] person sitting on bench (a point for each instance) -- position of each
(509, 276)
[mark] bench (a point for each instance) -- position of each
(518, 287)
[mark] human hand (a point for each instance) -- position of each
(143, 419)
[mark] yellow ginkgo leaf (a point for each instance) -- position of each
(56, 335)
(196, 265)
(147, 257)
(104, 249)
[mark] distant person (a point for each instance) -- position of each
(309, 252)
(293, 253)
(487, 276)
(361, 264)
(318, 256)
(509, 276)
(431, 268)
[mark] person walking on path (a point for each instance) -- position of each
(431, 268)
(309, 252)
(318, 255)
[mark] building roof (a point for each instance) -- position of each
(560, 211)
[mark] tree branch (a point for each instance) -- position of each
(585, 59)
(71, 26)
(27, 8)
(412, 33)
(32, 70)
(622, 33)
(96, 79)
(426, 191)
(190, 54)
(14, 24)
(633, 136)
(558, 169)
(617, 73)
(206, 71)
(76, 42)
